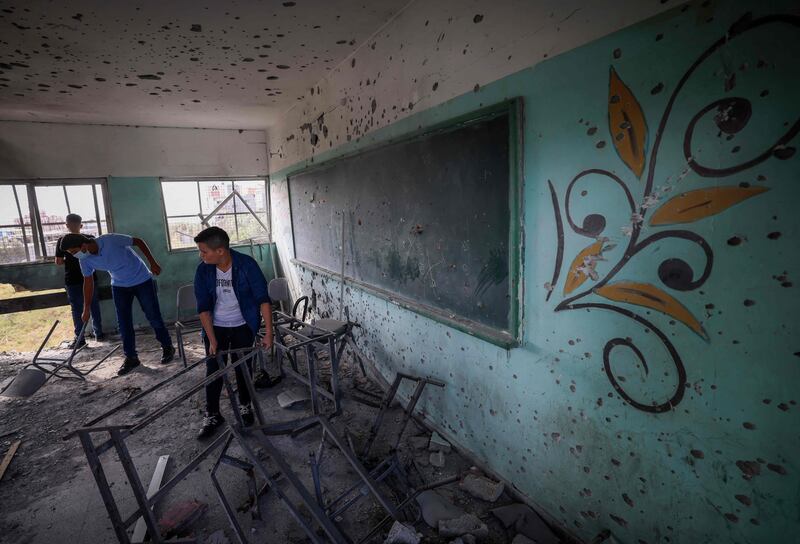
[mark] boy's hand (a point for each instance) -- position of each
(266, 342)
(85, 314)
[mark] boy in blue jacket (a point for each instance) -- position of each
(232, 298)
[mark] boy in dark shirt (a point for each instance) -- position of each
(73, 284)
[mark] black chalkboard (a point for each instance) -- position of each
(426, 219)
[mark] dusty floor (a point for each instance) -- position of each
(48, 494)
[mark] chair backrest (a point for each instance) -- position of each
(279, 290)
(186, 304)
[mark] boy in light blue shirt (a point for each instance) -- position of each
(130, 278)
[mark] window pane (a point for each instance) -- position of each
(29, 234)
(22, 195)
(52, 206)
(90, 227)
(214, 192)
(101, 204)
(8, 206)
(180, 198)
(51, 235)
(254, 193)
(249, 227)
(81, 201)
(225, 222)
(182, 231)
(105, 226)
(12, 248)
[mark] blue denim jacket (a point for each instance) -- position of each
(249, 286)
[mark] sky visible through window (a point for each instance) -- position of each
(186, 203)
(21, 241)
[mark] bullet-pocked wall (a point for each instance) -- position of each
(133, 159)
(654, 390)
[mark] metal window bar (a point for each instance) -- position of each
(235, 193)
(235, 219)
(36, 229)
(97, 210)
(66, 198)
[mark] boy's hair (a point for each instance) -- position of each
(74, 218)
(213, 237)
(74, 240)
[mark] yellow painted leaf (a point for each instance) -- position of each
(626, 124)
(649, 296)
(575, 277)
(701, 203)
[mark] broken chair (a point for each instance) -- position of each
(42, 369)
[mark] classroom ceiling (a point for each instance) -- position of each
(178, 63)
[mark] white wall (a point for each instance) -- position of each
(433, 51)
(51, 150)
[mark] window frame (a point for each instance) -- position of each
(197, 180)
(36, 225)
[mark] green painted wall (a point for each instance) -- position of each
(657, 398)
(136, 209)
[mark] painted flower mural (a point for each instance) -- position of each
(584, 287)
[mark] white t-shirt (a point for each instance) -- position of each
(226, 311)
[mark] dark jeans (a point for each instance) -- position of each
(228, 338)
(145, 292)
(75, 296)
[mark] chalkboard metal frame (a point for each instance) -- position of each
(503, 338)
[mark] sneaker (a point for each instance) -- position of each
(99, 337)
(129, 364)
(210, 424)
(168, 354)
(246, 411)
(80, 343)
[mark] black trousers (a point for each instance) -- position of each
(228, 338)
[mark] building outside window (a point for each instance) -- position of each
(240, 206)
(32, 215)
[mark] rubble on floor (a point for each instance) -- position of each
(49, 493)
(482, 488)
(400, 533)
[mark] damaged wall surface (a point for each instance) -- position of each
(654, 389)
(59, 150)
(431, 52)
(133, 159)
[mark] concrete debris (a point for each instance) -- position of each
(522, 539)
(468, 524)
(418, 442)
(464, 539)
(291, 397)
(402, 534)
(179, 517)
(437, 459)
(526, 521)
(437, 443)
(482, 488)
(435, 508)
